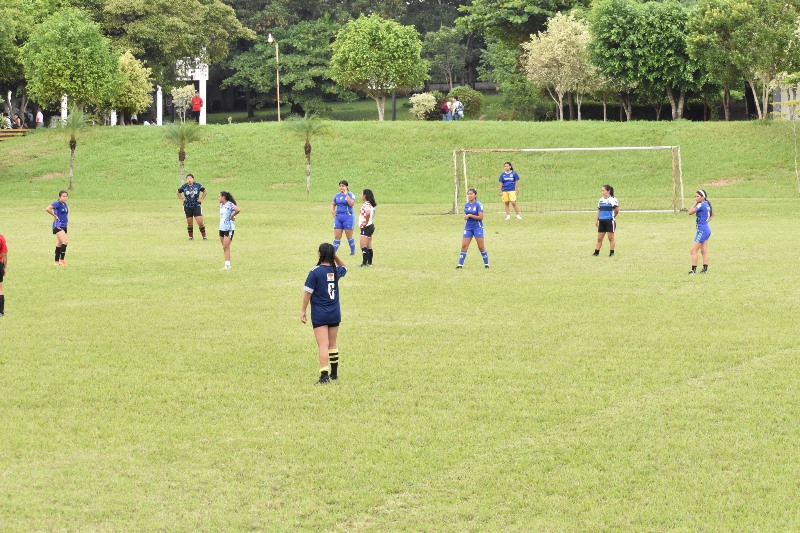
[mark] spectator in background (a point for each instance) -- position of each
(39, 118)
(458, 108)
(197, 104)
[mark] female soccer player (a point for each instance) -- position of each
(322, 291)
(227, 215)
(606, 223)
(473, 228)
(509, 189)
(192, 207)
(60, 213)
(702, 208)
(3, 263)
(366, 219)
(342, 212)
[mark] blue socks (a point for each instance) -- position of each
(336, 243)
(461, 258)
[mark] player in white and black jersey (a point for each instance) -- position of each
(366, 219)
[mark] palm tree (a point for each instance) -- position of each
(307, 128)
(76, 121)
(181, 134)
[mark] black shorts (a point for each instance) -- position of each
(196, 211)
(607, 226)
(315, 325)
(60, 228)
(368, 231)
(226, 233)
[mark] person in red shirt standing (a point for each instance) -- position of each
(197, 104)
(3, 263)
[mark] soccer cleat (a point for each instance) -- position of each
(62, 263)
(519, 217)
(459, 266)
(2, 315)
(704, 271)
(596, 253)
(363, 265)
(333, 377)
(508, 217)
(57, 264)
(692, 272)
(205, 238)
(191, 238)
(223, 269)
(323, 379)
(485, 266)
(611, 253)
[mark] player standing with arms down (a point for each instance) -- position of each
(342, 212)
(192, 195)
(3, 263)
(473, 228)
(60, 213)
(606, 221)
(227, 215)
(366, 224)
(702, 208)
(509, 189)
(322, 291)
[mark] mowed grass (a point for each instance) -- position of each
(144, 389)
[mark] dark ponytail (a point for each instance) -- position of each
(228, 196)
(370, 197)
(610, 189)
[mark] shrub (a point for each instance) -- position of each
(472, 100)
(422, 105)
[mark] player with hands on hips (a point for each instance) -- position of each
(343, 220)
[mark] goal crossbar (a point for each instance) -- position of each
(677, 166)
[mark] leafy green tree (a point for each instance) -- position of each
(378, 57)
(67, 54)
(136, 87)
(163, 32)
(445, 51)
(512, 21)
(557, 59)
(76, 121)
(615, 46)
(308, 128)
(716, 42)
(181, 134)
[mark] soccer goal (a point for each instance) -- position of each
(645, 178)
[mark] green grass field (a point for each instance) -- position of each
(143, 389)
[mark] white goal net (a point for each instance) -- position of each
(645, 178)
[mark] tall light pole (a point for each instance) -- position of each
(277, 73)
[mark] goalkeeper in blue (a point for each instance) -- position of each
(343, 220)
(704, 213)
(473, 228)
(606, 221)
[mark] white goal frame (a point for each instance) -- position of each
(677, 166)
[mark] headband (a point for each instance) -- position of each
(702, 193)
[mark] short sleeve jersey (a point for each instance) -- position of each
(323, 285)
(606, 207)
(191, 194)
(62, 212)
(473, 209)
(509, 181)
(342, 207)
(366, 214)
(225, 213)
(3, 247)
(703, 213)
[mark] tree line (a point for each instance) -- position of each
(107, 54)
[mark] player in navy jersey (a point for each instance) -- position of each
(366, 223)
(509, 189)
(606, 221)
(227, 218)
(704, 213)
(342, 211)
(3, 263)
(60, 213)
(322, 291)
(473, 228)
(192, 195)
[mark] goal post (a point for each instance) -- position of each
(645, 178)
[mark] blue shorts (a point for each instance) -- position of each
(343, 222)
(473, 232)
(703, 233)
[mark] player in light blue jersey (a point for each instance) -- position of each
(606, 221)
(321, 290)
(60, 213)
(227, 218)
(704, 213)
(509, 189)
(343, 220)
(473, 228)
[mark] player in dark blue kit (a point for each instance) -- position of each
(509, 189)
(193, 196)
(702, 209)
(322, 291)
(60, 213)
(606, 221)
(473, 228)
(342, 211)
